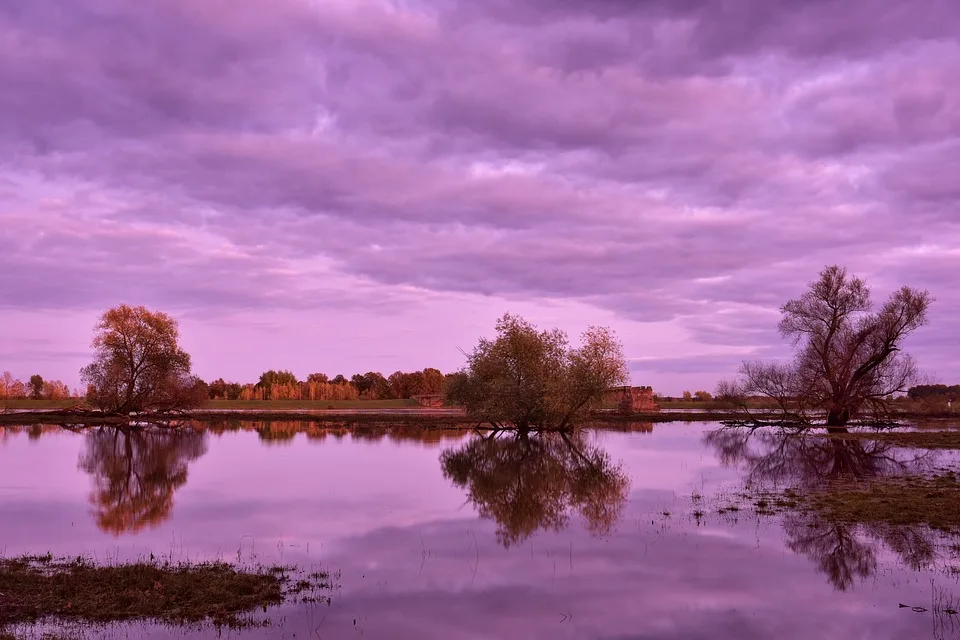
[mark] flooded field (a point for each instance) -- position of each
(673, 531)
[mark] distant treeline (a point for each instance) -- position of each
(922, 391)
(284, 385)
(272, 385)
(36, 388)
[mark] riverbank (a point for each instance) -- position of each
(448, 417)
(422, 416)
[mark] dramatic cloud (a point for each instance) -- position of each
(675, 169)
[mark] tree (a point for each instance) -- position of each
(432, 381)
(271, 377)
(702, 396)
(375, 385)
(138, 364)
(687, 395)
(36, 387)
(360, 382)
(848, 360)
(532, 379)
(318, 378)
(6, 381)
(922, 391)
(55, 390)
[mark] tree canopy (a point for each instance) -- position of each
(138, 364)
(532, 379)
(848, 362)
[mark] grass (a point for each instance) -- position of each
(905, 500)
(911, 439)
(41, 588)
(932, 501)
(26, 403)
(309, 405)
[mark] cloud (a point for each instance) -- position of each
(693, 162)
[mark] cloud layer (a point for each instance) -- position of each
(682, 168)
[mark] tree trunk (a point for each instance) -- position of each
(837, 417)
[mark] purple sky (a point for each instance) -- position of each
(346, 185)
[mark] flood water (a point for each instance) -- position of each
(444, 534)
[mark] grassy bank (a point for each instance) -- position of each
(308, 405)
(392, 412)
(24, 403)
(424, 417)
(75, 590)
(908, 439)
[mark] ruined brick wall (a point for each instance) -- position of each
(633, 399)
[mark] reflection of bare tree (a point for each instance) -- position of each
(774, 457)
(834, 546)
(810, 462)
(528, 482)
(136, 472)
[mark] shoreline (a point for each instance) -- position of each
(419, 416)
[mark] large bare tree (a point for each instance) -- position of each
(848, 361)
(138, 364)
(526, 378)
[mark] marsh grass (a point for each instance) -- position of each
(904, 500)
(41, 588)
(931, 501)
(928, 439)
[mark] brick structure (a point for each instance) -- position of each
(632, 399)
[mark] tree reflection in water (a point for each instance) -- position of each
(531, 481)
(843, 551)
(135, 473)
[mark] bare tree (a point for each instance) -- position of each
(138, 364)
(848, 362)
(532, 379)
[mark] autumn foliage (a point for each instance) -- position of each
(138, 364)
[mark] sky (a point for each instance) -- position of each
(354, 185)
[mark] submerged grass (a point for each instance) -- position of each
(904, 500)
(907, 500)
(921, 439)
(41, 588)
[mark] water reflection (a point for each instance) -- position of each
(273, 432)
(528, 482)
(842, 551)
(136, 473)
(769, 457)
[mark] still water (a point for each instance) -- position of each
(443, 534)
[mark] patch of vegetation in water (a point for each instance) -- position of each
(36, 589)
(932, 501)
(903, 500)
(924, 439)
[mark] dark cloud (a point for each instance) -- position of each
(687, 162)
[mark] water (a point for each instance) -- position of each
(441, 534)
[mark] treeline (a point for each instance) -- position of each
(36, 388)
(373, 385)
(934, 391)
